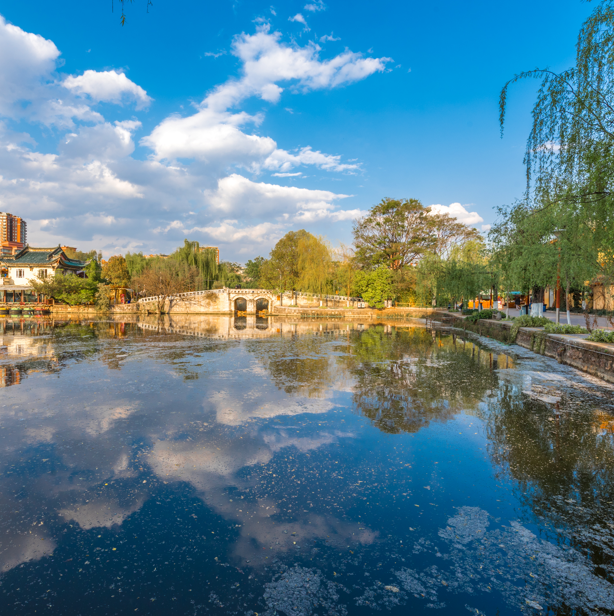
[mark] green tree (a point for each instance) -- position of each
(115, 271)
(165, 278)
(93, 271)
(136, 263)
(375, 286)
(69, 289)
(314, 264)
(252, 271)
(395, 233)
(228, 275)
(281, 271)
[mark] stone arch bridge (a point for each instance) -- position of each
(251, 301)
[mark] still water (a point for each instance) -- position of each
(208, 465)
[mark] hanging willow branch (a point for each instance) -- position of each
(569, 157)
(122, 19)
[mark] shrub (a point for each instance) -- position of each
(466, 311)
(485, 314)
(526, 320)
(601, 335)
(553, 328)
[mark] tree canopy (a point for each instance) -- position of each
(394, 233)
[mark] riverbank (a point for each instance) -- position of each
(573, 350)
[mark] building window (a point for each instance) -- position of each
(42, 273)
(19, 273)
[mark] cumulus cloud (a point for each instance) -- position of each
(27, 84)
(212, 136)
(236, 195)
(456, 210)
(215, 133)
(284, 161)
(267, 61)
(103, 141)
(26, 62)
(109, 86)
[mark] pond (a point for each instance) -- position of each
(255, 466)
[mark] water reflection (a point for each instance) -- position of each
(408, 377)
(182, 465)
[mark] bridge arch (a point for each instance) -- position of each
(263, 304)
(240, 304)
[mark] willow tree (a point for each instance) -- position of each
(204, 259)
(314, 264)
(569, 156)
(281, 270)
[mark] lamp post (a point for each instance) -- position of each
(558, 234)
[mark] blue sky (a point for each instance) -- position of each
(235, 122)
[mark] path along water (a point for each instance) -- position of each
(298, 469)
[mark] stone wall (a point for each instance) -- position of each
(573, 350)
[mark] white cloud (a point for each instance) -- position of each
(211, 136)
(328, 37)
(316, 6)
(486, 228)
(27, 82)
(215, 54)
(214, 133)
(456, 210)
(236, 195)
(284, 161)
(26, 62)
(299, 19)
(267, 61)
(108, 86)
(102, 141)
(93, 192)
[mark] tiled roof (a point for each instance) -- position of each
(40, 256)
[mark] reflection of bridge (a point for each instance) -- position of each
(250, 301)
(226, 327)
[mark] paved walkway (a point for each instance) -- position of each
(576, 319)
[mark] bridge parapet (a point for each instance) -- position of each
(249, 300)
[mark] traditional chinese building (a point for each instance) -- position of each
(18, 270)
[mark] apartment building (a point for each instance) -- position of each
(13, 233)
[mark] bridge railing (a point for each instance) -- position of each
(196, 294)
(187, 294)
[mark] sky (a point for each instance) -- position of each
(234, 122)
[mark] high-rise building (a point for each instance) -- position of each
(13, 233)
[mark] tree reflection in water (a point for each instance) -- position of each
(407, 377)
(561, 459)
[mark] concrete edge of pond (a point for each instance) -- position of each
(594, 358)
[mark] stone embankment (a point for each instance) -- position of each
(352, 313)
(573, 350)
